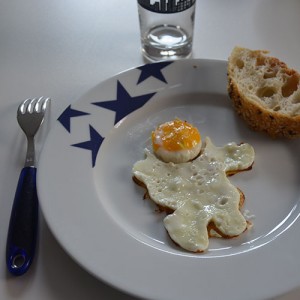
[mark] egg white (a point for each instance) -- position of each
(198, 192)
(178, 156)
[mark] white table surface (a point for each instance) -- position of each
(61, 49)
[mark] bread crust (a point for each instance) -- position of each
(260, 119)
(257, 116)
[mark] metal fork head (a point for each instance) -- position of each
(31, 114)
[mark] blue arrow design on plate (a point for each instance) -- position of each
(124, 104)
(65, 117)
(93, 144)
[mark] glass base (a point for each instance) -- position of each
(166, 42)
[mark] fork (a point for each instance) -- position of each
(23, 224)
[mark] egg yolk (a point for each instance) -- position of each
(175, 136)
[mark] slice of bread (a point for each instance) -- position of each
(265, 92)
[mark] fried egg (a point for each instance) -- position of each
(198, 192)
(176, 141)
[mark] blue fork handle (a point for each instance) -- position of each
(23, 225)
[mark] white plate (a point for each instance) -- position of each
(99, 216)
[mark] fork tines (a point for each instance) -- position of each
(34, 105)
